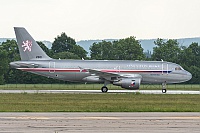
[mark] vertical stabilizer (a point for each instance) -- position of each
(28, 48)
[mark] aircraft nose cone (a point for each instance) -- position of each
(189, 76)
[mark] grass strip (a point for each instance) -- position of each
(128, 102)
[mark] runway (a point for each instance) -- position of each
(99, 91)
(99, 122)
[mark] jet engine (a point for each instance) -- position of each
(129, 83)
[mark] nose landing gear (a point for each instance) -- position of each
(164, 87)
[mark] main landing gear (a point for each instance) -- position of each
(164, 87)
(104, 89)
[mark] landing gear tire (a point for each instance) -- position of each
(104, 89)
(164, 90)
(164, 87)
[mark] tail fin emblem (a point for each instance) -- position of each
(27, 45)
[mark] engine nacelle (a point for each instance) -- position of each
(129, 83)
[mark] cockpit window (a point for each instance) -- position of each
(178, 68)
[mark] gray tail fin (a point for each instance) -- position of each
(28, 48)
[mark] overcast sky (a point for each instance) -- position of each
(101, 19)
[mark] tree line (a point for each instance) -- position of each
(65, 47)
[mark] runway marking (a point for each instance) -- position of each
(26, 118)
(98, 118)
(67, 118)
(103, 118)
(183, 117)
(99, 91)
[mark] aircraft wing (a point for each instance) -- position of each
(110, 75)
(102, 73)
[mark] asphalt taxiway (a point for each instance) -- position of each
(99, 91)
(99, 122)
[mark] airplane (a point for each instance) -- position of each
(125, 73)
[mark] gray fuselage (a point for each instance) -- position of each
(71, 70)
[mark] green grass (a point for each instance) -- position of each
(127, 102)
(91, 87)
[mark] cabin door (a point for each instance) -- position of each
(165, 68)
(52, 67)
